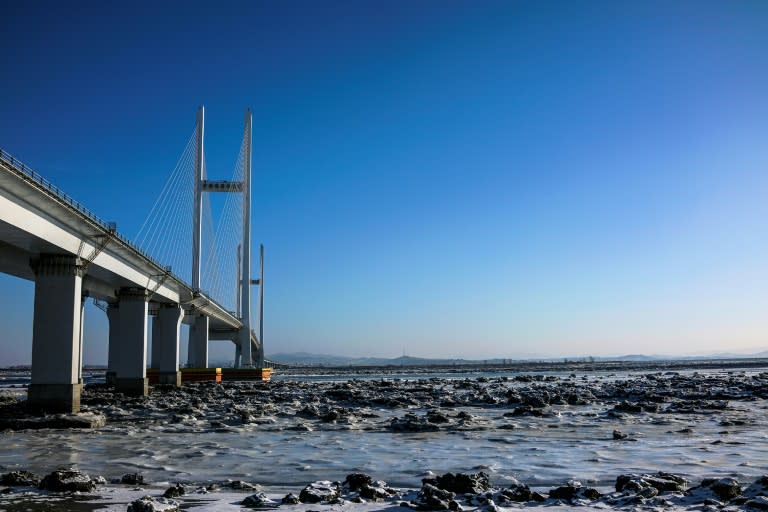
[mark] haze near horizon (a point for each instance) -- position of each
(453, 179)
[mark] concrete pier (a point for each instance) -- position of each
(165, 343)
(129, 358)
(56, 334)
(197, 350)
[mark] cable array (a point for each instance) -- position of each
(166, 234)
(220, 270)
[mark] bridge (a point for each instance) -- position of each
(72, 255)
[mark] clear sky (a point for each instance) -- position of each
(455, 179)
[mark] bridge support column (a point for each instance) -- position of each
(130, 352)
(197, 350)
(238, 355)
(165, 344)
(113, 316)
(56, 330)
(154, 362)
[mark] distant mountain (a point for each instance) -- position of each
(308, 359)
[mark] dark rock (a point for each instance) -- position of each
(463, 483)
(20, 479)
(618, 434)
(175, 491)
(433, 498)
(537, 496)
(661, 481)
(319, 492)
(724, 488)
(243, 486)
(355, 481)
(628, 407)
(290, 499)
(564, 492)
(150, 504)
(259, 500)
(376, 491)
(132, 479)
(412, 423)
(517, 492)
(68, 480)
(435, 416)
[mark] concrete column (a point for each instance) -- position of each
(56, 328)
(130, 362)
(165, 343)
(197, 350)
(80, 349)
(113, 316)
(155, 361)
(238, 355)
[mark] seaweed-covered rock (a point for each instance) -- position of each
(68, 480)
(319, 492)
(150, 504)
(20, 479)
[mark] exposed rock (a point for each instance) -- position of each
(243, 486)
(290, 499)
(319, 492)
(150, 504)
(259, 500)
(618, 435)
(661, 481)
(355, 481)
(132, 479)
(412, 423)
(175, 491)
(20, 479)
(461, 483)
(724, 489)
(517, 491)
(68, 480)
(564, 492)
(433, 498)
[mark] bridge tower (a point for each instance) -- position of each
(198, 342)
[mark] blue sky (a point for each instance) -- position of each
(456, 179)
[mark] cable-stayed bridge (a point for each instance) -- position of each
(180, 268)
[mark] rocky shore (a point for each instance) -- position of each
(73, 490)
(728, 401)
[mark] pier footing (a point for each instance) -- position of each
(132, 386)
(54, 397)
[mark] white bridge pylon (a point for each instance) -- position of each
(249, 350)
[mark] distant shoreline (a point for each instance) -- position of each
(512, 366)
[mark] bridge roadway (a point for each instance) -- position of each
(70, 254)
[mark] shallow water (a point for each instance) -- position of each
(576, 442)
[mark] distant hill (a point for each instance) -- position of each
(308, 359)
